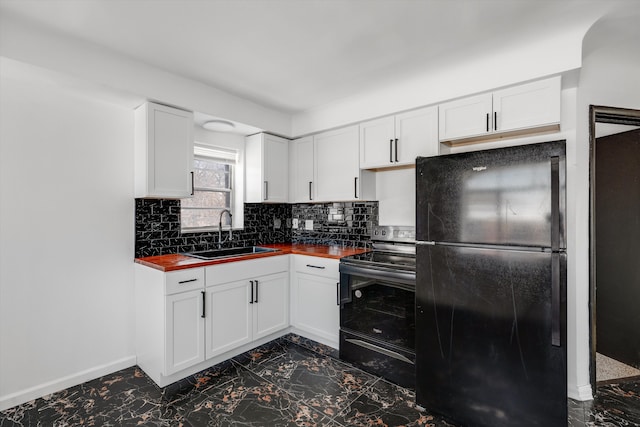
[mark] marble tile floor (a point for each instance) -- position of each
(291, 381)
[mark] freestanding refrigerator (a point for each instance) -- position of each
(491, 286)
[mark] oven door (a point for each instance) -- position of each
(379, 304)
(377, 321)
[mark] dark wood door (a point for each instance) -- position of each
(617, 217)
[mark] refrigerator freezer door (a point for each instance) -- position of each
(494, 197)
(484, 336)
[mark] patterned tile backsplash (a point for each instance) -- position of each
(344, 223)
(157, 227)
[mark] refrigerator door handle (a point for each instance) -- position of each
(555, 300)
(555, 204)
(555, 248)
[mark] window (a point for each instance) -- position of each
(213, 184)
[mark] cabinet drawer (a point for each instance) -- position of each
(325, 267)
(183, 280)
(240, 270)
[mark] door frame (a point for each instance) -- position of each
(612, 115)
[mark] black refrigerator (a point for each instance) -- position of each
(491, 286)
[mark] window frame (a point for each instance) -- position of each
(218, 155)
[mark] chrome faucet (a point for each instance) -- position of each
(220, 226)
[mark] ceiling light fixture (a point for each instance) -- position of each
(219, 125)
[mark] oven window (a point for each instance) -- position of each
(380, 309)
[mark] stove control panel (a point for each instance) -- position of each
(393, 233)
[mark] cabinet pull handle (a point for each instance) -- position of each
(256, 300)
(204, 299)
(495, 120)
(487, 122)
(182, 282)
(396, 150)
(355, 187)
(310, 198)
(266, 190)
(316, 266)
(338, 293)
(193, 188)
(391, 151)
(251, 300)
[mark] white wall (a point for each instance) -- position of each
(396, 195)
(487, 71)
(25, 42)
(609, 77)
(66, 221)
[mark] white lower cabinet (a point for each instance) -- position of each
(245, 310)
(186, 317)
(315, 302)
(246, 300)
(185, 331)
(271, 304)
(228, 317)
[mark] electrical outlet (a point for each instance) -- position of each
(277, 223)
(308, 224)
(294, 223)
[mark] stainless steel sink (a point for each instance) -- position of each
(229, 252)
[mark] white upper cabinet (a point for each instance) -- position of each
(163, 152)
(465, 117)
(376, 142)
(526, 106)
(301, 185)
(398, 140)
(267, 169)
(337, 167)
(514, 111)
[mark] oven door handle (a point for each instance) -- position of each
(379, 349)
(391, 275)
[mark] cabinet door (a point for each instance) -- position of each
(184, 331)
(526, 106)
(301, 168)
(229, 312)
(164, 152)
(417, 133)
(271, 304)
(276, 167)
(465, 117)
(316, 305)
(377, 143)
(337, 169)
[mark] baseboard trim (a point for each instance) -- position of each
(26, 395)
(581, 393)
(314, 337)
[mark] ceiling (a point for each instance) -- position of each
(295, 55)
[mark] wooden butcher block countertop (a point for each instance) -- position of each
(171, 262)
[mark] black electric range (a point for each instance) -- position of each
(377, 306)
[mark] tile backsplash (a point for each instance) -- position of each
(343, 223)
(157, 226)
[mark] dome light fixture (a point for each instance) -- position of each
(219, 125)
